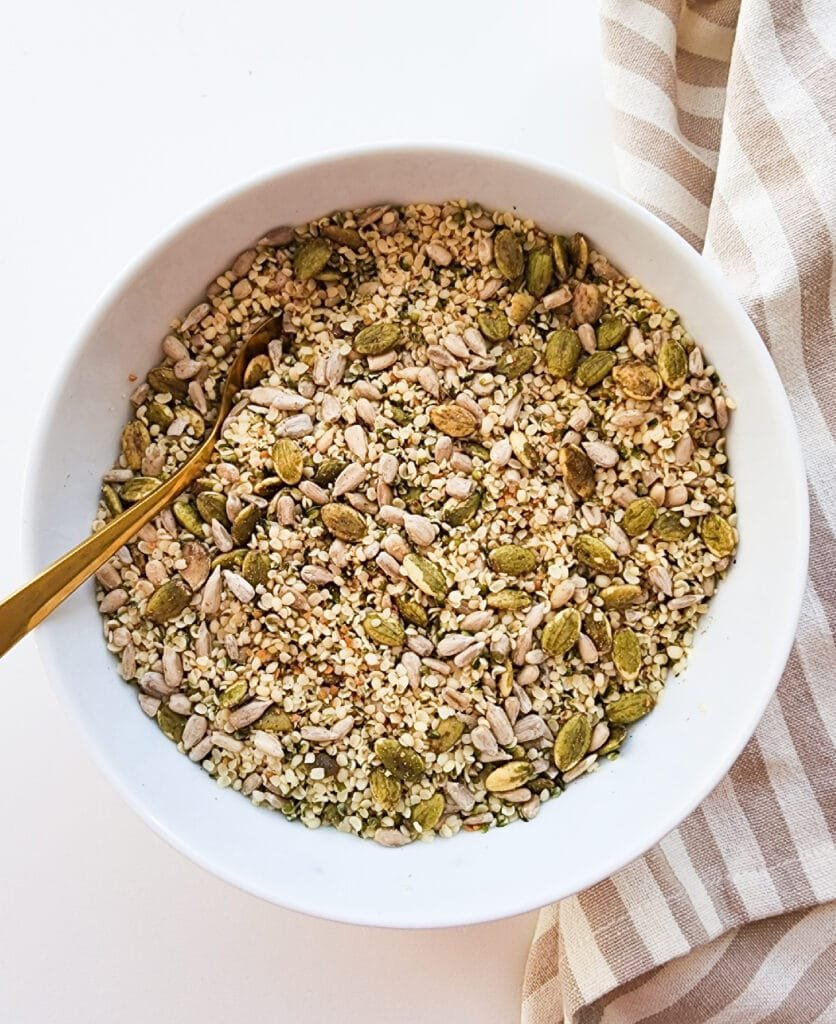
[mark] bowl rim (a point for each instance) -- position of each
(770, 379)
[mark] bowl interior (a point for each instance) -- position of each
(674, 758)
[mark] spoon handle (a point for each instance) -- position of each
(30, 605)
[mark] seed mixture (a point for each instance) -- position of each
(462, 522)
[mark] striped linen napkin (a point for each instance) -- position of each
(724, 124)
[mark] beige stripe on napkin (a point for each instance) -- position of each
(723, 124)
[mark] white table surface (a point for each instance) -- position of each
(117, 120)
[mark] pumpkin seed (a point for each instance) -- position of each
(403, 762)
(620, 595)
(563, 351)
(572, 742)
(229, 559)
(449, 733)
(233, 695)
(212, 505)
(508, 776)
(311, 257)
(638, 381)
(560, 257)
(522, 306)
(348, 237)
(343, 521)
(594, 368)
(579, 248)
(112, 501)
(516, 362)
(328, 471)
(561, 633)
(384, 630)
(639, 516)
(257, 369)
(274, 720)
(464, 511)
(538, 272)
(245, 523)
(669, 526)
(509, 600)
(195, 421)
(138, 488)
(135, 439)
(508, 254)
(717, 535)
(255, 568)
(171, 724)
(427, 813)
(494, 326)
(618, 734)
(268, 486)
(386, 790)
(611, 333)
(505, 685)
(630, 707)
(378, 339)
(411, 611)
(426, 576)
(672, 364)
(524, 450)
(186, 515)
(288, 460)
(453, 420)
(578, 470)
(597, 627)
(164, 381)
(160, 415)
(167, 601)
(512, 559)
(626, 654)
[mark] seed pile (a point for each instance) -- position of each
(462, 522)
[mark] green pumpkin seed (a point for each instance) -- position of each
(561, 633)
(717, 535)
(630, 707)
(245, 523)
(328, 471)
(255, 568)
(595, 368)
(171, 724)
(464, 511)
(453, 420)
(516, 362)
(505, 684)
(274, 720)
(427, 814)
(426, 576)
(508, 776)
(186, 515)
(196, 422)
(538, 272)
(672, 364)
(268, 486)
(508, 254)
(343, 521)
(449, 733)
(257, 369)
(159, 415)
(594, 554)
(572, 742)
(403, 762)
(522, 306)
(311, 257)
(494, 326)
(377, 339)
(164, 381)
(512, 559)
(621, 595)
(560, 257)
(618, 734)
(288, 460)
(229, 559)
(579, 247)
(524, 450)
(384, 630)
(348, 237)
(212, 505)
(135, 439)
(167, 601)
(611, 333)
(411, 611)
(626, 654)
(638, 381)
(138, 488)
(386, 790)
(639, 516)
(669, 526)
(233, 695)
(509, 600)
(597, 627)
(563, 351)
(112, 501)
(578, 470)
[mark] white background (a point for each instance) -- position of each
(117, 120)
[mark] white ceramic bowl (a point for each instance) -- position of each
(675, 757)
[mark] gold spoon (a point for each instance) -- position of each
(30, 605)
